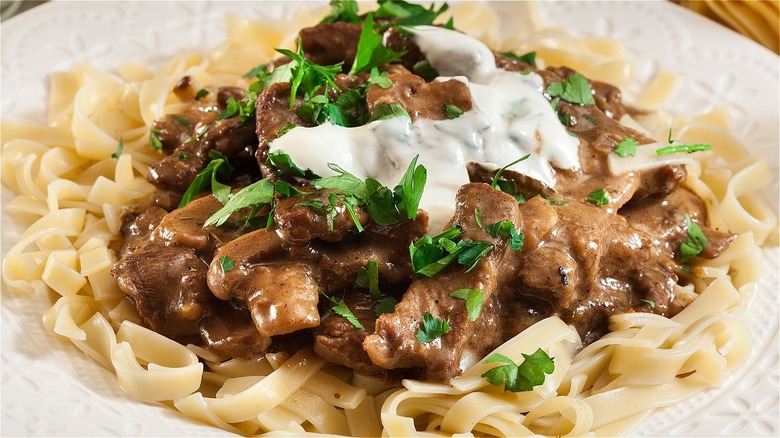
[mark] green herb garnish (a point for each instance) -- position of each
(201, 94)
(258, 194)
(119, 148)
(598, 197)
(626, 147)
(369, 278)
(474, 299)
(226, 263)
(218, 166)
(574, 89)
(528, 58)
(452, 111)
(340, 308)
(506, 230)
(516, 378)
(694, 243)
(385, 305)
(690, 148)
(370, 50)
(432, 328)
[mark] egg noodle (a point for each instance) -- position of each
(73, 190)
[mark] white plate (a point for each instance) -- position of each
(51, 388)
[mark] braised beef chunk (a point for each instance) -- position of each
(229, 331)
(168, 287)
(420, 99)
(137, 227)
(299, 222)
(664, 218)
(331, 43)
(338, 341)
(272, 115)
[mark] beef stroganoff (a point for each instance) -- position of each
(306, 250)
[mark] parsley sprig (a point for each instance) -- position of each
(506, 230)
(695, 241)
(432, 328)
(431, 254)
(368, 277)
(474, 298)
(371, 52)
(340, 308)
(523, 377)
(574, 89)
(218, 166)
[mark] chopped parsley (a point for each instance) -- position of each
(308, 78)
(119, 148)
(528, 58)
(388, 111)
(183, 155)
(690, 148)
(429, 255)
(410, 14)
(516, 378)
(694, 243)
(425, 70)
(452, 111)
(201, 94)
(342, 10)
(574, 89)
(184, 121)
(284, 163)
(369, 278)
(226, 263)
(218, 166)
(506, 230)
(497, 175)
(598, 197)
(432, 328)
(478, 217)
(287, 128)
(650, 303)
(474, 299)
(340, 308)
(370, 50)
(154, 141)
(385, 305)
(255, 195)
(626, 147)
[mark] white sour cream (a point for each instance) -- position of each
(510, 118)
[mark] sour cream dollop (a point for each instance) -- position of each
(510, 118)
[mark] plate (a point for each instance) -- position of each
(50, 388)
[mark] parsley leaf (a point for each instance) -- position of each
(478, 217)
(528, 58)
(201, 94)
(474, 299)
(184, 121)
(598, 197)
(574, 89)
(506, 230)
(340, 308)
(429, 255)
(208, 177)
(369, 278)
(370, 50)
(388, 111)
(516, 378)
(307, 77)
(226, 263)
(690, 148)
(650, 303)
(432, 328)
(409, 13)
(283, 162)
(694, 243)
(385, 305)
(626, 147)
(510, 187)
(452, 111)
(425, 70)
(154, 142)
(119, 148)
(258, 194)
(495, 180)
(342, 10)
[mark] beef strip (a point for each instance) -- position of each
(300, 223)
(272, 115)
(664, 218)
(420, 99)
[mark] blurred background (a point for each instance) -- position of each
(756, 19)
